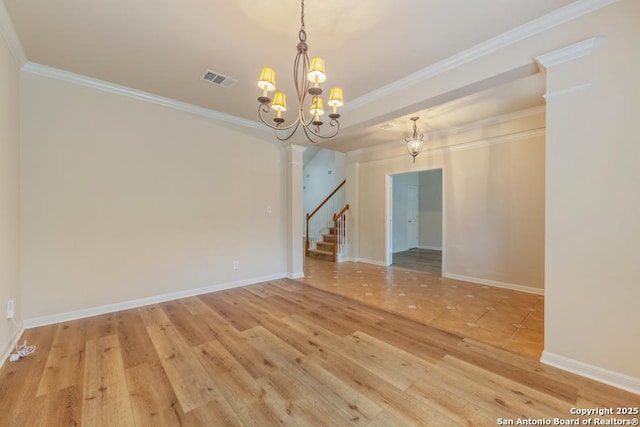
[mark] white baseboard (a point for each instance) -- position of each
(110, 308)
(12, 344)
(294, 276)
(602, 375)
(371, 261)
(494, 283)
(431, 248)
(403, 249)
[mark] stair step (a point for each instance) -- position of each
(328, 237)
(321, 253)
(325, 246)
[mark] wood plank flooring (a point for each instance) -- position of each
(280, 353)
(419, 259)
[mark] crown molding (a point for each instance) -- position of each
(546, 22)
(539, 25)
(567, 91)
(55, 73)
(503, 118)
(8, 33)
(568, 53)
(468, 145)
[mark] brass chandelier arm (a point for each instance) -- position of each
(305, 73)
(312, 135)
(265, 108)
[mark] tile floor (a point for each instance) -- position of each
(508, 319)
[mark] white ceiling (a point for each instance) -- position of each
(163, 48)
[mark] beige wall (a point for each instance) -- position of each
(493, 201)
(593, 203)
(431, 209)
(124, 199)
(9, 194)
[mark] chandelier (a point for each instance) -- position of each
(415, 141)
(307, 76)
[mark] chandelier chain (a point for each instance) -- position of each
(303, 79)
(302, 34)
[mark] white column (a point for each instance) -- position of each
(592, 208)
(295, 243)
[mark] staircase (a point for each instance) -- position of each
(324, 247)
(326, 226)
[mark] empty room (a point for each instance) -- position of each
(319, 213)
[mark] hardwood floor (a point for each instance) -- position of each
(419, 259)
(279, 353)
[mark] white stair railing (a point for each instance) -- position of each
(322, 218)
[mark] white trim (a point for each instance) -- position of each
(54, 73)
(431, 248)
(388, 219)
(537, 26)
(140, 302)
(567, 91)
(295, 276)
(568, 53)
(615, 379)
(12, 343)
(296, 148)
(496, 120)
(500, 139)
(484, 142)
(8, 33)
(371, 261)
(494, 283)
(400, 250)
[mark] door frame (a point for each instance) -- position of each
(388, 218)
(416, 226)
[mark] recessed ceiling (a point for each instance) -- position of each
(163, 48)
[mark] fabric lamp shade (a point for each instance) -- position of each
(279, 102)
(267, 80)
(316, 70)
(317, 109)
(335, 97)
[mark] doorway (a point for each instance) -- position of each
(415, 221)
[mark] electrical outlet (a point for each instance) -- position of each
(236, 265)
(11, 308)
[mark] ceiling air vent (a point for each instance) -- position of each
(218, 79)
